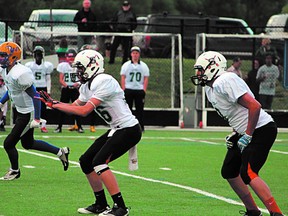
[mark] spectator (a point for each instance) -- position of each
(69, 89)
(267, 76)
(42, 74)
(19, 81)
(3, 111)
(235, 67)
(254, 131)
(123, 21)
(134, 82)
(61, 51)
(251, 79)
(267, 48)
(102, 93)
(84, 18)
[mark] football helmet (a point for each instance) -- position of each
(10, 53)
(208, 66)
(88, 64)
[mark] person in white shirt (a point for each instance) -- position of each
(21, 90)
(42, 74)
(69, 89)
(3, 111)
(101, 93)
(134, 81)
(254, 130)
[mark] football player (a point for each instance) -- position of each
(42, 74)
(102, 93)
(254, 130)
(69, 88)
(19, 81)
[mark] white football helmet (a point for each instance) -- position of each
(88, 64)
(208, 66)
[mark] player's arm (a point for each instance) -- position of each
(31, 91)
(254, 108)
(61, 80)
(78, 110)
(123, 77)
(145, 85)
(48, 82)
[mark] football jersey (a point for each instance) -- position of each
(224, 94)
(113, 109)
(40, 72)
(135, 74)
(17, 81)
(70, 76)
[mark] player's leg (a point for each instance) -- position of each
(254, 157)
(230, 171)
(119, 143)
(139, 106)
(10, 142)
(114, 46)
(94, 180)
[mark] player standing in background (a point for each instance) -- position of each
(19, 81)
(254, 130)
(3, 111)
(134, 81)
(69, 89)
(42, 74)
(102, 93)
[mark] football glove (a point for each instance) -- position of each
(36, 123)
(244, 141)
(231, 139)
(47, 99)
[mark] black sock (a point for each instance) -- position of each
(118, 199)
(101, 198)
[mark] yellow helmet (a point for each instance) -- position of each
(10, 53)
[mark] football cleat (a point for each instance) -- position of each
(11, 175)
(58, 130)
(64, 157)
(93, 209)
(116, 211)
(73, 128)
(251, 213)
(80, 130)
(92, 128)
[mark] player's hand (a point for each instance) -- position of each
(244, 141)
(47, 99)
(36, 123)
(231, 139)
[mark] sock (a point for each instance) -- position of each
(272, 206)
(101, 198)
(118, 199)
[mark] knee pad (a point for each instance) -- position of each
(248, 174)
(85, 165)
(99, 169)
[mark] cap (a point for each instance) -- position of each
(135, 48)
(126, 3)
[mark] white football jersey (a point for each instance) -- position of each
(40, 72)
(135, 74)
(224, 94)
(17, 81)
(70, 76)
(113, 109)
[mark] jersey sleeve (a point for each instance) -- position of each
(25, 80)
(124, 68)
(104, 88)
(61, 67)
(146, 71)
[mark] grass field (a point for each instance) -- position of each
(179, 174)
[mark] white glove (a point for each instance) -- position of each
(36, 123)
(230, 139)
(244, 141)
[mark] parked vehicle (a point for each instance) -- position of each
(277, 25)
(188, 26)
(61, 20)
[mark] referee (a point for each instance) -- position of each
(134, 81)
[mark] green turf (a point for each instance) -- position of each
(149, 191)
